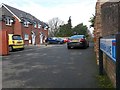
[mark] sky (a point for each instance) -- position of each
(79, 10)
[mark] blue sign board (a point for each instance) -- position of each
(108, 46)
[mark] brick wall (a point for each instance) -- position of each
(110, 23)
(26, 30)
(37, 33)
(97, 29)
(106, 24)
(0, 25)
(10, 29)
(109, 18)
(17, 27)
(110, 68)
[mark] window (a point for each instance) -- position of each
(17, 37)
(8, 21)
(26, 37)
(39, 25)
(35, 25)
(77, 36)
(26, 23)
(46, 27)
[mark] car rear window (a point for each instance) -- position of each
(76, 36)
(17, 37)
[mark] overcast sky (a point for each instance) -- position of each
(79, 10)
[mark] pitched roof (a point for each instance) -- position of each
(19, 14)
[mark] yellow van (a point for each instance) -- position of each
(15, 42)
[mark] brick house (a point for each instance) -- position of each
(19, 22)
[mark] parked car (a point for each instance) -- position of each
(15, 42)
(77, 41)
(55, 40)
(65, 40)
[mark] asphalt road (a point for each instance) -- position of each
(52, 66)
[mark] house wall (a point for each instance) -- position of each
(45, 32)
(22, 30)
(37, 34)
(10, 29)
(26, 30)
(0, 25)
(18, 28)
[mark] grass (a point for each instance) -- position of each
(104, 81)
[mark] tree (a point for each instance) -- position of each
(92, 21)
(69, 23)
(66, 29)
(54, 25)
(80, 29)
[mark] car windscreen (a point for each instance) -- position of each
(17, 37)
(76, 37)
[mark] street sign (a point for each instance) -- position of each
(108, 46)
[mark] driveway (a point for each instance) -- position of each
(52, 66)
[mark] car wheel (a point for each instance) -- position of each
(88, 45)
(85, 46)
(68, 47)
(22, 49)
(10, 48)
(59, 43)
(48, 42)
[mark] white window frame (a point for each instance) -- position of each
(39, 25)
(26, 23)
(26, 37)
(35, 25)
(8, 21)
(45, 28)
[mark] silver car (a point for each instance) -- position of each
(77, 41)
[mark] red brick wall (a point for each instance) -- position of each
(0, 25)
(110, 23)
(10, 29)
(26, 30)
(4, 42)
(97, 29)
(110, 68)
(37, 33)
(17, 27)
(46, 32)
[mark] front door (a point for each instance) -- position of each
(33, 38)
(41, 38)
